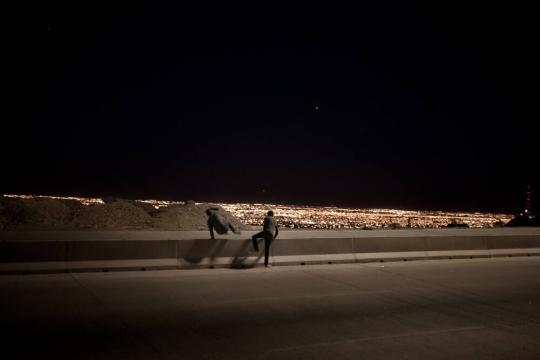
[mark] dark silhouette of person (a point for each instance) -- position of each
(219, 223)
(269, 233)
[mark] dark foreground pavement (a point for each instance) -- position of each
(445, 309)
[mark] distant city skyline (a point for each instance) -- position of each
(327, 217)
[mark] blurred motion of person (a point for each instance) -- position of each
(269, 233)
(219, 223)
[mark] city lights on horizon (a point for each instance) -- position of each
(327, 217)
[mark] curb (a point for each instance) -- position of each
(59, 267)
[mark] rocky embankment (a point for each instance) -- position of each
(114, 214)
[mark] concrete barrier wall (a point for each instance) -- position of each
(456, 243)
(33, 251)
(120, 250)
(17, 251)
(312, 246)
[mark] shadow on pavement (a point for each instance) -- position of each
(210, 250)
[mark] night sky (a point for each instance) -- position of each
(395, 105)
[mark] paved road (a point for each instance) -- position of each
(445, 309)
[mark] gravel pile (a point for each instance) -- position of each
(46, 214)
(115, 214)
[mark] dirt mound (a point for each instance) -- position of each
(115, 214)
(523, 220)
(46, 214)
(189, 217)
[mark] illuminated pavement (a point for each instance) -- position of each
(445, 309)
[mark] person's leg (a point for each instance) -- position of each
(254, 240)
(267, 242)
(233, 229)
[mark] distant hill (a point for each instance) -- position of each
(523, 220)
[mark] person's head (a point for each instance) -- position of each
(208, 212)
(270, 213)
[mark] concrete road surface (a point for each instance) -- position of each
(445, 309)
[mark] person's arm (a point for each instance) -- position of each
(277, 231)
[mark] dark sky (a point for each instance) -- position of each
(387, 106)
